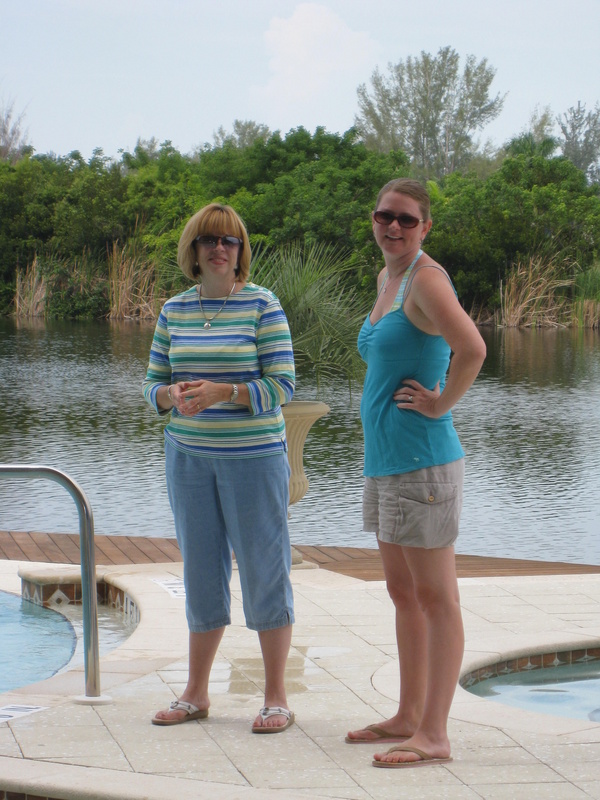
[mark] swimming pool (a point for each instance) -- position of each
(571, 690)
(37, 642)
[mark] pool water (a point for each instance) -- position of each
(35, 642)
(38, 642)
(566, 691)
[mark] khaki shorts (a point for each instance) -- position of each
(416, 509)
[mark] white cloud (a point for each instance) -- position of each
(316, 63)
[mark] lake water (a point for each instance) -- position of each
(71, 399)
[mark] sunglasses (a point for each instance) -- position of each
(404, 220)
(213, 241)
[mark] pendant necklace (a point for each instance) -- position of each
(208, 321)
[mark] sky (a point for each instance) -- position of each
(92, 74)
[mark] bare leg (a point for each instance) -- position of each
(275, 645)
(203, 649)
(436, 588)
(411, 638)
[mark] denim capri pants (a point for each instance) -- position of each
(238, 504)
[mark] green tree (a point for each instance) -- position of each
(13, 139)
(429, 109)
(90, 214)
(537, 139)
(245, 133)
(527, 144)
(531, 206)
(29, 191)
(580, 141)
(326, 197)
(302, 189)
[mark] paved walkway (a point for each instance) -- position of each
(342, 674)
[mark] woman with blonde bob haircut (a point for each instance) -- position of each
(213, 219)
(222, 365)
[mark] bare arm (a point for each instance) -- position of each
(433, 307)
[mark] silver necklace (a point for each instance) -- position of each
(208, 321)
(402, 274)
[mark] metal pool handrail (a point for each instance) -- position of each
(88, 565)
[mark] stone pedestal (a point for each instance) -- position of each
(300, 415)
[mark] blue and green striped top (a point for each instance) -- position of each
(248, 342)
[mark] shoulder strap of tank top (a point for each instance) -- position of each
(414, 272)
(399, 299)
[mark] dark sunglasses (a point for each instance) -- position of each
(404, 220)
(213, 241)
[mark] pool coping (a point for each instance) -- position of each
(529, 662)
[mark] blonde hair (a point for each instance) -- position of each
(410, 188)
(218, 220)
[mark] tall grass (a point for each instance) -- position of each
(132, 285)
(31, 289)
(536, 293)
(587, 298)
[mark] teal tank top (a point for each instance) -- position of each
(397, 440)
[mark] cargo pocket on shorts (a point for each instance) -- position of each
(427, 514)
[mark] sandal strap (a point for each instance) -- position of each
(272, 711)
(181, 705)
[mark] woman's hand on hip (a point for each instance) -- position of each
(413, 396)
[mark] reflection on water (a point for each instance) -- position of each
(530, 427)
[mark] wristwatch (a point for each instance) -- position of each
(234, 393)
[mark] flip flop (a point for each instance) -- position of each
(425, 760)
(272, 711)
(191, 712)
(381, 735)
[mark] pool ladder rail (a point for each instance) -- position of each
(88, 571)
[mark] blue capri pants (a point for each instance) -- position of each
(238, 504)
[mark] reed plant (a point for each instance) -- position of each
(536, 293)
(587, 298)
(132, 285)
(324, 310)
(31, 289)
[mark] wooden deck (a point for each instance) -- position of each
(363, 563)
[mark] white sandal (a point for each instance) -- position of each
(191, 712)
(273, 711)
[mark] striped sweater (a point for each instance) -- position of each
(248, 342)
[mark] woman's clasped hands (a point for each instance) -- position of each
(191, 397)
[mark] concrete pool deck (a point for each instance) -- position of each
(342, 674)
